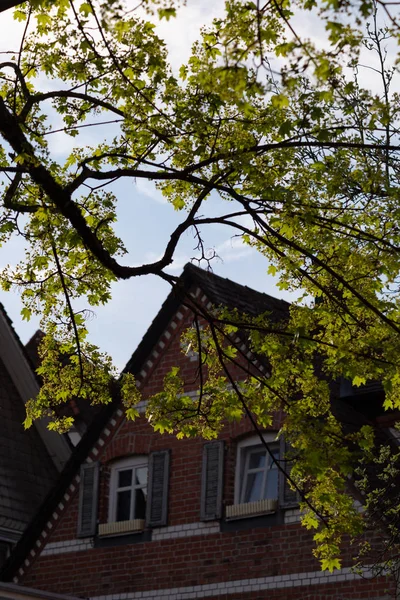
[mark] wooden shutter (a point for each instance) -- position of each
(88, 499)
(287, 496)
(157, 493)
(212, 481)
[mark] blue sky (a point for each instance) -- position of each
(145, 224)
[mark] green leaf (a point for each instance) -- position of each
(132, 414)
(19, 15)
(85, 8)
(166, 13)
(272, 270)
(27, 423)
(26, 313)
(280, 101)
(330, 564)
(43, 19)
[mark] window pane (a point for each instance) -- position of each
(253, 489)
(125, 478)
(123, 505)
(141, 476)
(260, 477)
(140, 503)
(272, 484)
(257, 459)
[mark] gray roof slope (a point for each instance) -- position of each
(26, 469)
(221, 291)
(15, 335)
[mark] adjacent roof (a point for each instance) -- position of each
(26, 470)
(11, 591)
(32, 348)
(219, 291)
(82, 412)
(19, 368)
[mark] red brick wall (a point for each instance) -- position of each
(186, 562)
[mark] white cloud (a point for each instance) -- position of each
(11, 32)
(233, 249)
(181, 32)
(148, 188)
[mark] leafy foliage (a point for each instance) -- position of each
(305, 159)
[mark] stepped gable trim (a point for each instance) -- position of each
(161, 346)
(164, 339)
(108, 420)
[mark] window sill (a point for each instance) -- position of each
(121, 527)
(251, 509)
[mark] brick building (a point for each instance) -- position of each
(140, 515)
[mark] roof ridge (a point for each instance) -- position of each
(209, 272)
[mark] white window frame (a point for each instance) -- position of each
(241, 458)
(132, 462)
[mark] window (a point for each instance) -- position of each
(138, 497)
(259, 480)
(128, 489)
(256, 477)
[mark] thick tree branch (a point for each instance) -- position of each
(61, 198)
(9, 195)
(19, 75)
(35, 99)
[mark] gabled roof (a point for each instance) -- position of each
(219, 291)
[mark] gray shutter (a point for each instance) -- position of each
(88, 499)
(157, 491)
(212, 481)
(287, 496)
